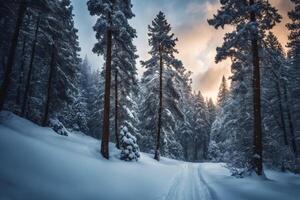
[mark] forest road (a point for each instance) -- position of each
(190, 185)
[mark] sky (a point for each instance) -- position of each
(197, 41)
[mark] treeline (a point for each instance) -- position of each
(39, 60)
(44, 80)
(258, 120)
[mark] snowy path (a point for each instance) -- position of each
(190, 185)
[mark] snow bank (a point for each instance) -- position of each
(37, 163)
(277, 186)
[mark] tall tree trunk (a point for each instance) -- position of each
(196, 150)
(29, 75)
(285, 137)
(157, 150)
(116, 110)
(105, 133)
(49, 88)
(291, 126)
(12, 53)
(185, 149)
(21, 76)
(257, 142)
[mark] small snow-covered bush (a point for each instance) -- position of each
(129, 147)
(58, 127)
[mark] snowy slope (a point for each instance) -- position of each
(36, 163)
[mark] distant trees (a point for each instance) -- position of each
(223, 92)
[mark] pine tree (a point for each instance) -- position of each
(251, 19)
(64, 65)
(223, 92)
(212, 111)
(276, 140)
(12, 52)
(112, 32)
(128, 144)
(159, 109)
(95, 104)
(294, 80)
(125, 74)
(201, 127)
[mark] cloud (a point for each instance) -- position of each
(197, 46)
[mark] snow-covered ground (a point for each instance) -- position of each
(36, 163)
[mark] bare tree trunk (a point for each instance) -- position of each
(21, 76)
(185, 149)
(49, 88)
(257, 142)
(28, 82)
(196, 150)
(291, 126)
(157, 150)
(105, 133)
(285, 137)
(12, 53)
(116, 110)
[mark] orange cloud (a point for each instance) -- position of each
(198, 41)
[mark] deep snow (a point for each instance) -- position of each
(36, 163)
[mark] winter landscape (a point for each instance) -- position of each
(150, 100)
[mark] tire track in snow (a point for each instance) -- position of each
(190, 185)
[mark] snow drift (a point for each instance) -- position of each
(37, 163)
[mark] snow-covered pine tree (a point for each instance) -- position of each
(81, 110)
(184, 131)
(106, 11)
(95, 104)
(159, 91)
(251, 19)
(11, 58)
(294, 75)
(223, 92)
(64, 65)
(113, 32)
(125, 73)
(212, 111)
(39, 29)
(278, 149)
(201, 128)
(129, 148)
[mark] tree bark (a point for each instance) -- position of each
(49, 88)
(21, 76)
(12, 53)
(291, 126)
(29, 75)
(196, 150)
(157, 150)
(105, 133)
(116, 110)
(285, 137)
(258, 147)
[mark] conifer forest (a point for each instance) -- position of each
(149, 100)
